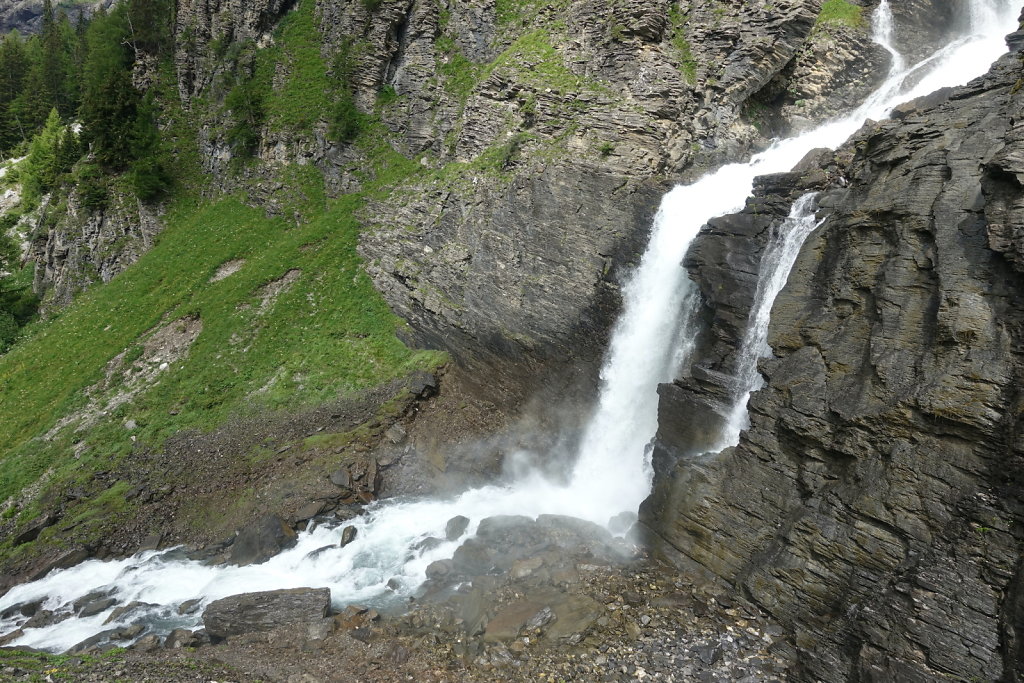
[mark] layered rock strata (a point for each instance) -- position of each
(874, 506)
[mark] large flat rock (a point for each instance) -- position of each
(257, 612)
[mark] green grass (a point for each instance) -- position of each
(535, 61)
(329, 334)
(307, 92)
(523, 12)
(687, 62)
(842, 13)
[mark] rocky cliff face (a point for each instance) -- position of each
(74, 247)
(26, 16)
(546, 131)
(513, 266)
(874, 505)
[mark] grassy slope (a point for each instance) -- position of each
(327, 335)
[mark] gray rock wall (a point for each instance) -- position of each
(515, 270)
(875, 504)
(74, 248)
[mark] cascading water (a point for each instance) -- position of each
(612, 473)
(885, 35)
(779, 256)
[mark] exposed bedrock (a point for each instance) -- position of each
(874, 506)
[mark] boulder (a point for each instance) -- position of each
(342, 478)
(348, 534)
(94, 607)
(260, 612)
(179, 638)
(32, 531)
(455, 527)
(121, 611)
(262, 540)
(511, 621)
(97, 643)
(309, 510)
(439, 569)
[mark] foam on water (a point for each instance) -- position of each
(612, 473)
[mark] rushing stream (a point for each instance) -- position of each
(612, 472)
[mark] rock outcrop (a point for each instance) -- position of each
(74, 247)
(874, 506)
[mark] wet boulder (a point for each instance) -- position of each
(266, 611)
(348, 534)
(456, 527)
(262, 540)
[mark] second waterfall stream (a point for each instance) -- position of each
(612, 473)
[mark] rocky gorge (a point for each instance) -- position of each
(867, 524)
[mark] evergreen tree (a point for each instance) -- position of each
(39, 172)
(109, 100)
(18, 305)
(13, 69)
(149, 176)
(150, 25)
(52, 66)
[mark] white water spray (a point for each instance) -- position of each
(613, 471)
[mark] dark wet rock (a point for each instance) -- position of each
(262, 540)
(427, 544)
(45, 617)
(214, 553)
(256, 612)
(68, 558)
(472, 558)
(146, 643)
(310, 510)
(90, 597)
(94, 607)
(179, 638)
(456, 527)
(348, 534)
(97, 643)
(25, 609)
(34, 528)
(8, 638)
(423, 384)
(873, 505)
(439, 569)
(127, 632)
(189, 606)
(313, 554)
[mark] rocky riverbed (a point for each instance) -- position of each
(583, 613)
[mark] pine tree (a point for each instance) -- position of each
(148, 175)
(13, 69)
(109, 100)
(39, 172)
(52, 67)
(149, 25)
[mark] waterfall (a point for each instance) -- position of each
(776, 263)
(612, 473)
(885, 35)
